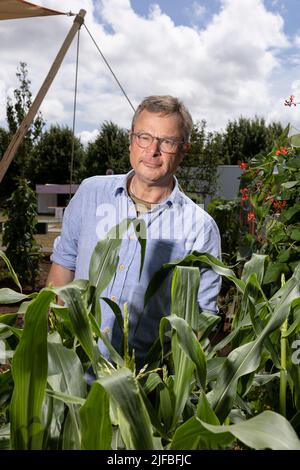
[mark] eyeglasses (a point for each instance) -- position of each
(167, 145)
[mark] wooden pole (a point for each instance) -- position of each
(20, 133)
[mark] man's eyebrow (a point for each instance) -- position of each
(169, 137)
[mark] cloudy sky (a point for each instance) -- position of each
(223, 58)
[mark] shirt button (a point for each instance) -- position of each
(113, 298)
(122, 267)
(132, 237)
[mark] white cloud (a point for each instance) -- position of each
(221, 72)
(297, 41)
(86, 136)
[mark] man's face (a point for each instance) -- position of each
(151, 164)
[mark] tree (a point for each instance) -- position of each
(51, 158)
(19, 232)
(16, 110)
(244, 138)
(6, 186)
(109, 151)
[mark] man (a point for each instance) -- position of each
(159, 139)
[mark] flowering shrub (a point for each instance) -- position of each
(270, 201)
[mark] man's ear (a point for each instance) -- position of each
(184, 150)
(186, 147)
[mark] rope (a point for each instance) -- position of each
(74, 117)
(75, 99)
(109, 67)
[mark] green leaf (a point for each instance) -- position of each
(188, 342)
(10, 269)
(96, 427)
(294, 140)
(9, 296)
(65, 397)
(283, 256)
(204, 410)
(289, 184)
(213, 367)
(117, 311)
(66, 379)
(246, 358)
(257, 264)
(103, 264)
(8, 318)
(268, 430)
(293, 163)
(187, 357)
(80, 322)
(29, 369)
(184, 292)
(273, 272)
(133, 419)
(290, 212)
(105, 258)
(295, 234)
(195, 259)
(114, 355)
(189, 435)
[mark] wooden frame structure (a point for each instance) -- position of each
(20, 133)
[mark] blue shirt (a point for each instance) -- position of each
(175, 227)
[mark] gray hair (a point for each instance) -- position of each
(166, 105)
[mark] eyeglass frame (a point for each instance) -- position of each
(159, 140)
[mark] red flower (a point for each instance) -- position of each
(245, 197)
(244, 190)
(243, 165)
(281, 151)
(277, 204)
(250, 216)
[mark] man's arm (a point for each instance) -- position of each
(59, 276)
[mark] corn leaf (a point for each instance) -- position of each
(246, 358)
(268, 430)
(133, 419)
(9, 296)
(191, 435)
(96, 427)
(188, 342)
(66, 379)
(80, 322)
(10, 269)
(195, 259)
(29, 369)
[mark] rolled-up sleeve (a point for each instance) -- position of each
(65, 247)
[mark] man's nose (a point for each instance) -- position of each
(155, 146)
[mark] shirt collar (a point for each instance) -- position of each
(121, 186)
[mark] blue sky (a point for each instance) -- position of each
(185, 11)
(223, 58)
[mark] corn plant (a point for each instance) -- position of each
(188, 398)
